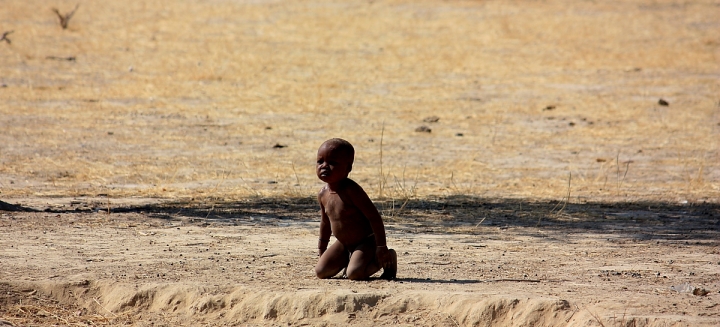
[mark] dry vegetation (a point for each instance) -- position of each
(187, 99)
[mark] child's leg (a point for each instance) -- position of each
(363, 262)
(332, 261)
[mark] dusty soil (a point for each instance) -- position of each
(463, 261)
(538, 163)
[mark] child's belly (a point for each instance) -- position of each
(350, 230)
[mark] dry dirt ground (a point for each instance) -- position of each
(82, 261)
(156, 161)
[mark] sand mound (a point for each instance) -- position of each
(186, 304)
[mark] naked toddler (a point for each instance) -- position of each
(347, 212)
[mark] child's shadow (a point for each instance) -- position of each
(438, 281)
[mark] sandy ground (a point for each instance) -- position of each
(156, 161)
(251, 263)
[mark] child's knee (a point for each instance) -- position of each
(357, 274)
(322, 273)
(319, 272)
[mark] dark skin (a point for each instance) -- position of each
(348, 213)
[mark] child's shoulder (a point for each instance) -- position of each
(323, 190)
(347, 185)
(352, 187)
(350, 184)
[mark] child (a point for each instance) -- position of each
(347, 212)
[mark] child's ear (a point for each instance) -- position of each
(349, 168)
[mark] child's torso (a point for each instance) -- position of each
(347, 222)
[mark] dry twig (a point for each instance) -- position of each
(382, 177)
(5, 38)
(567, 198)
(568, 194)
(597, 319)
(65, 19)
(72, 58)
(106, 309)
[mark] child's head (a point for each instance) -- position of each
(334, 160)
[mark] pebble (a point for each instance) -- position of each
(423, 129)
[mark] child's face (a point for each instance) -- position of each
(332, 165)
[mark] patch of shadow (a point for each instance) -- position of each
(438, 281)
(465, 215)
(4, 206)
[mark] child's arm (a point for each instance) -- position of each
(325, 230)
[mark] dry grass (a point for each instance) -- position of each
(187, 99)
(53, 315)
(26, 308)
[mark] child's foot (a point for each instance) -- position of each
(390, 270)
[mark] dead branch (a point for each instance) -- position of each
(5, 38)
(71, 58)
(65, 19)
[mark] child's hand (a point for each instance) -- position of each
(383, 255)
(322, 246)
